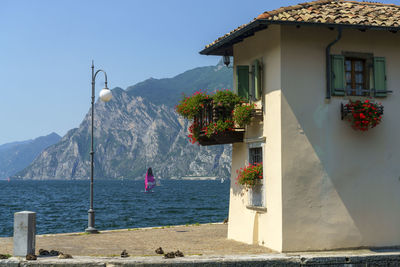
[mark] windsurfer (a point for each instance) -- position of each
(149, 182)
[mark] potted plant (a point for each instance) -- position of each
(219, 127)
(226, 99)
(363, 115)
(190, 106)
(225, 111)
(242, 114)
(250, 175)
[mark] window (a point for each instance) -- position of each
(256, 75)
(256, 194)
(242, 76)
(249, 80)
(358, 74)
(255, 155)
(355, 71)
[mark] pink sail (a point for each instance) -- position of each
(149, 182)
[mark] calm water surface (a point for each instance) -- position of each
(61, 206)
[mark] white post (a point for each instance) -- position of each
(24, 233)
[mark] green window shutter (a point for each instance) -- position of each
(252, 82)
(338, 78)
(242, 76)
(380, 76)
(257, 79)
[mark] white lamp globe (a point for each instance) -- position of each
(105, 95)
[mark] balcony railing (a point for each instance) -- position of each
(210, 114)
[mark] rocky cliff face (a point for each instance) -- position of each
(131, 134)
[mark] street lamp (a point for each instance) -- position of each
(105, 95)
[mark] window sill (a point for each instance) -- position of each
(257, 208)
(362, 97)
(357, 97)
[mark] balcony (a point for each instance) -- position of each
(211, 114)
(217, 119)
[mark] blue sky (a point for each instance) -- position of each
(47, 47)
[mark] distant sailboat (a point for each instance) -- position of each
(149, 182)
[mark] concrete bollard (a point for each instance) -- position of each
(24, 233)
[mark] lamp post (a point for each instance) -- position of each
(105, 95)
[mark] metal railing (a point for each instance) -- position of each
(211, 113)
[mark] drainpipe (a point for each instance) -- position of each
(328, 63)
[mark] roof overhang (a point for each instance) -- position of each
(224, 46)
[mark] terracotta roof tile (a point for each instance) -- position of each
(331, 12)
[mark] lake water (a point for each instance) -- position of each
(61, 206)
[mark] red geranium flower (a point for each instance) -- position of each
(364, 114)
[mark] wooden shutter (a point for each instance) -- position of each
(242, 76)
(338, 78)
(380, 76)
(257, 79)
(252, 82)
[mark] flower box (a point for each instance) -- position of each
(222, 138)
(250, 175)
(363, 115)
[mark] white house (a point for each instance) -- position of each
(325, 185)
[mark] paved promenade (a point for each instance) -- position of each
(202, 245)
(203, 239)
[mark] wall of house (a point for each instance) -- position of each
(340, 187)
(246, 225)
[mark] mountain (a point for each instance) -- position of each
(137, 129)
(8, 145)
(169, 91)
(18, 155)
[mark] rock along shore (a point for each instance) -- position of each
(386, 259)
(202, 245)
